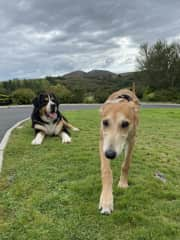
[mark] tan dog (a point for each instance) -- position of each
(119, 116)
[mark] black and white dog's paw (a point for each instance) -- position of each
(36, 141)
(76, 129)
(65, 138)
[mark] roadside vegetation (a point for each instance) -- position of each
(51, 192)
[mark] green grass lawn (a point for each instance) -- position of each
(52, 191)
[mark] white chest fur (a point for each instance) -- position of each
(50, 129)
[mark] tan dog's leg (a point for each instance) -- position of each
(106, 198)
(38, 139)
(123, 182)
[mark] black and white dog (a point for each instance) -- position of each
(47, 120)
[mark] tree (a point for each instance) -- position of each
(23, 96)
(62, 93)
(160, 64)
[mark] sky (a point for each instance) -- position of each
(53, 37)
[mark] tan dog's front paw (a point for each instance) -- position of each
(106, 203)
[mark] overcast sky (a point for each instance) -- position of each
(53, 37)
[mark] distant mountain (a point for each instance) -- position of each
(101, 73)
(124, 74)
(75, 74)
(98, 74)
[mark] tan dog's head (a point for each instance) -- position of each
(118, 123)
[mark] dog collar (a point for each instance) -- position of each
(126, 97)
(120, 98)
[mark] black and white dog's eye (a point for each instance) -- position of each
(105, 123)
(124, 124)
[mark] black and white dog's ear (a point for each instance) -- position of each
(35, 102)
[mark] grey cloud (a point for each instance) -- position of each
(55, 36)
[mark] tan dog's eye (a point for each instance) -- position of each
(106, 123)
(124, 124)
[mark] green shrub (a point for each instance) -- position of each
(167, 95)
(163, 95)
(4, 99)
(62, 93)
(149, 96)
(22, 96)
(89, 99)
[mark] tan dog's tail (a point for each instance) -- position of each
(134, 88)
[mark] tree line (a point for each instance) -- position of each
(157, 79)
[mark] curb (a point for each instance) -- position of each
(156, 104)
(160, 103)
(5, 139)
(16, 106)
(62, 104)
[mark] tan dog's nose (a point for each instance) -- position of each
(110, 154)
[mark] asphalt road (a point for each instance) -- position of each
(9, 116)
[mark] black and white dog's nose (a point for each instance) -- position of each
(111, 154)
(53, 107)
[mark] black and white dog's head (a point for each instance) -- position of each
(46, 106)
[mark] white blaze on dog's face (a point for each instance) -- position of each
(116, 126)
(48, 107)
(51, 105)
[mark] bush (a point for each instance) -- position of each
(101, 95)
(63, 94)
(167, 95)
(163, 95)
(89, 99)
(149, 96)
(22, 96)
(5, 99)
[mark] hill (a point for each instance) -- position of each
(75, 74)
(98, 83)
(98, 74)
(101, 74)
(77, 85)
